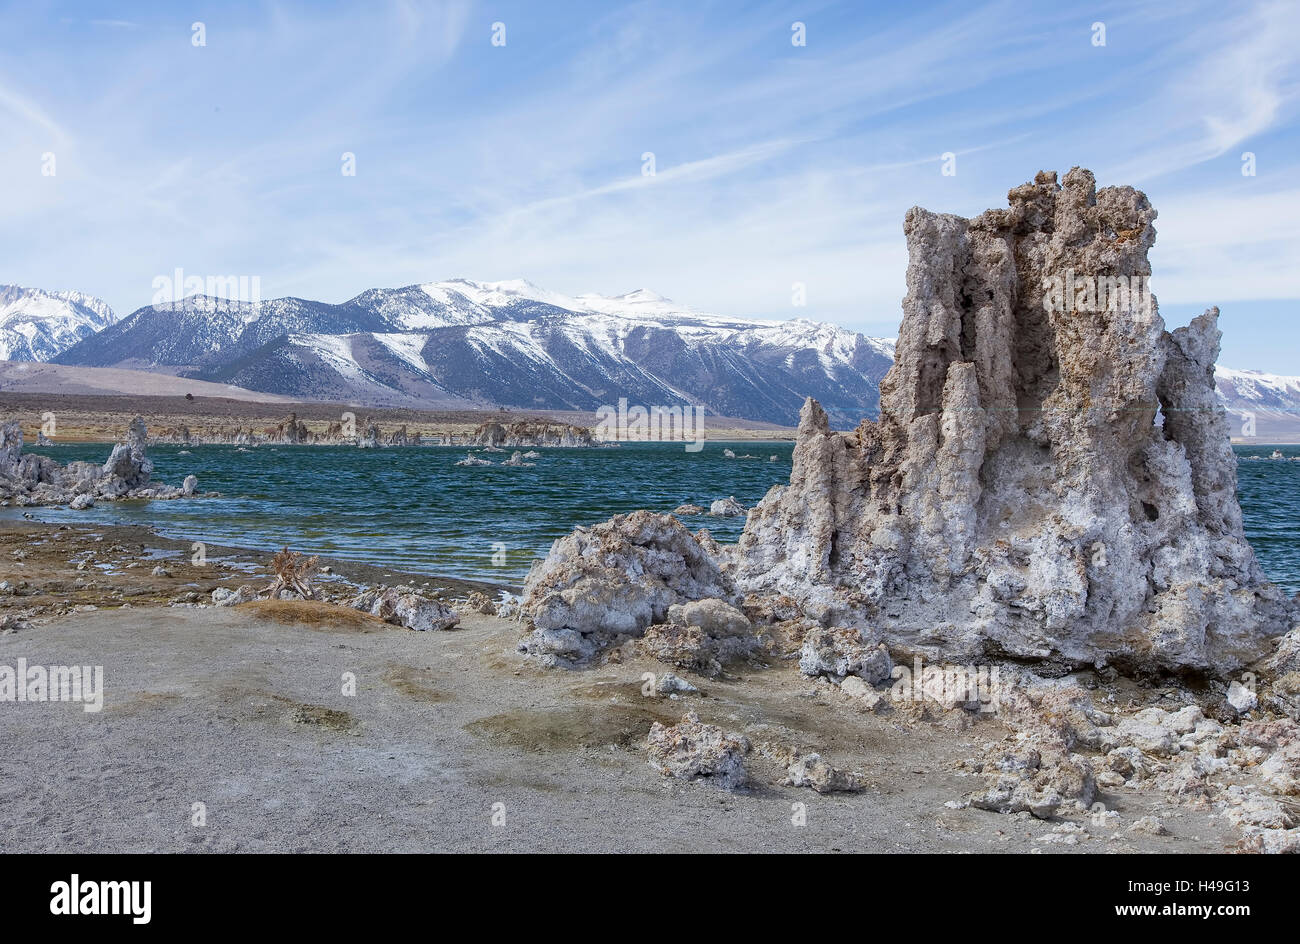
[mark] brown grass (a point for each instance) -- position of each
(314, 614)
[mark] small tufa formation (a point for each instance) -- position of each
(841, 651)
(403, 606)
(526, 434)
(603, 584)
(1051, 476)
(809, 770)
(289, 431)
(128, 468)
(39, 480)
(727, 508)
(701, 636)
(293, 574)
(477, 602)
(224, 596)
(691, 750)
(370, 436)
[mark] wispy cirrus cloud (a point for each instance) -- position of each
(774, 163)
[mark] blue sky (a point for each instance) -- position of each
(775, 164)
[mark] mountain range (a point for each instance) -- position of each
(459, 344)
(464, 344)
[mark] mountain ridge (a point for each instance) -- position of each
(460, 343)
(37, 325)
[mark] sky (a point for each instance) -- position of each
(503, 140)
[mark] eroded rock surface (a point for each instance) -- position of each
(40, 480)
(402, 606)
(702, 636)
(844, 650)
(1045, 481)
(690, 750)
(612, 581)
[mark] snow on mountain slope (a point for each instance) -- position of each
(509, 343)
(1263, 407)
(1253, 389)
(36, 325)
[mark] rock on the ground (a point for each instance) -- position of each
(612, 581)
(226, 597)
(1148, 825)
(670, 684)
(701, 636)
(809, 770)
(476, 602)
(726, 508)
(871, 699)
(1241, 698)
(404, 607)
(690, 749)
(1037, 782)
(844, 650)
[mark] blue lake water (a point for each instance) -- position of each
(413, 509)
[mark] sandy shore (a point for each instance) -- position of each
(242, 709)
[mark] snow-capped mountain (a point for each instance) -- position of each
(36, 325)
(1268, 403)
(465, 343)
(460, 343)
(1255, 390)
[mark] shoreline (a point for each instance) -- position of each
(240, 704)
(118, 549)
(103, 417)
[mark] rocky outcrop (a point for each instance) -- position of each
(40, 480)
(690, 750)
(370, 436)
(403, 606)
(611, 581)
(524, 434)
(289, 431)
(702, 636)
(1051, 475)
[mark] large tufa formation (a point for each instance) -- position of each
(40, 480)
(1051, 475)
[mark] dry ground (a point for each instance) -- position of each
(242, 709)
